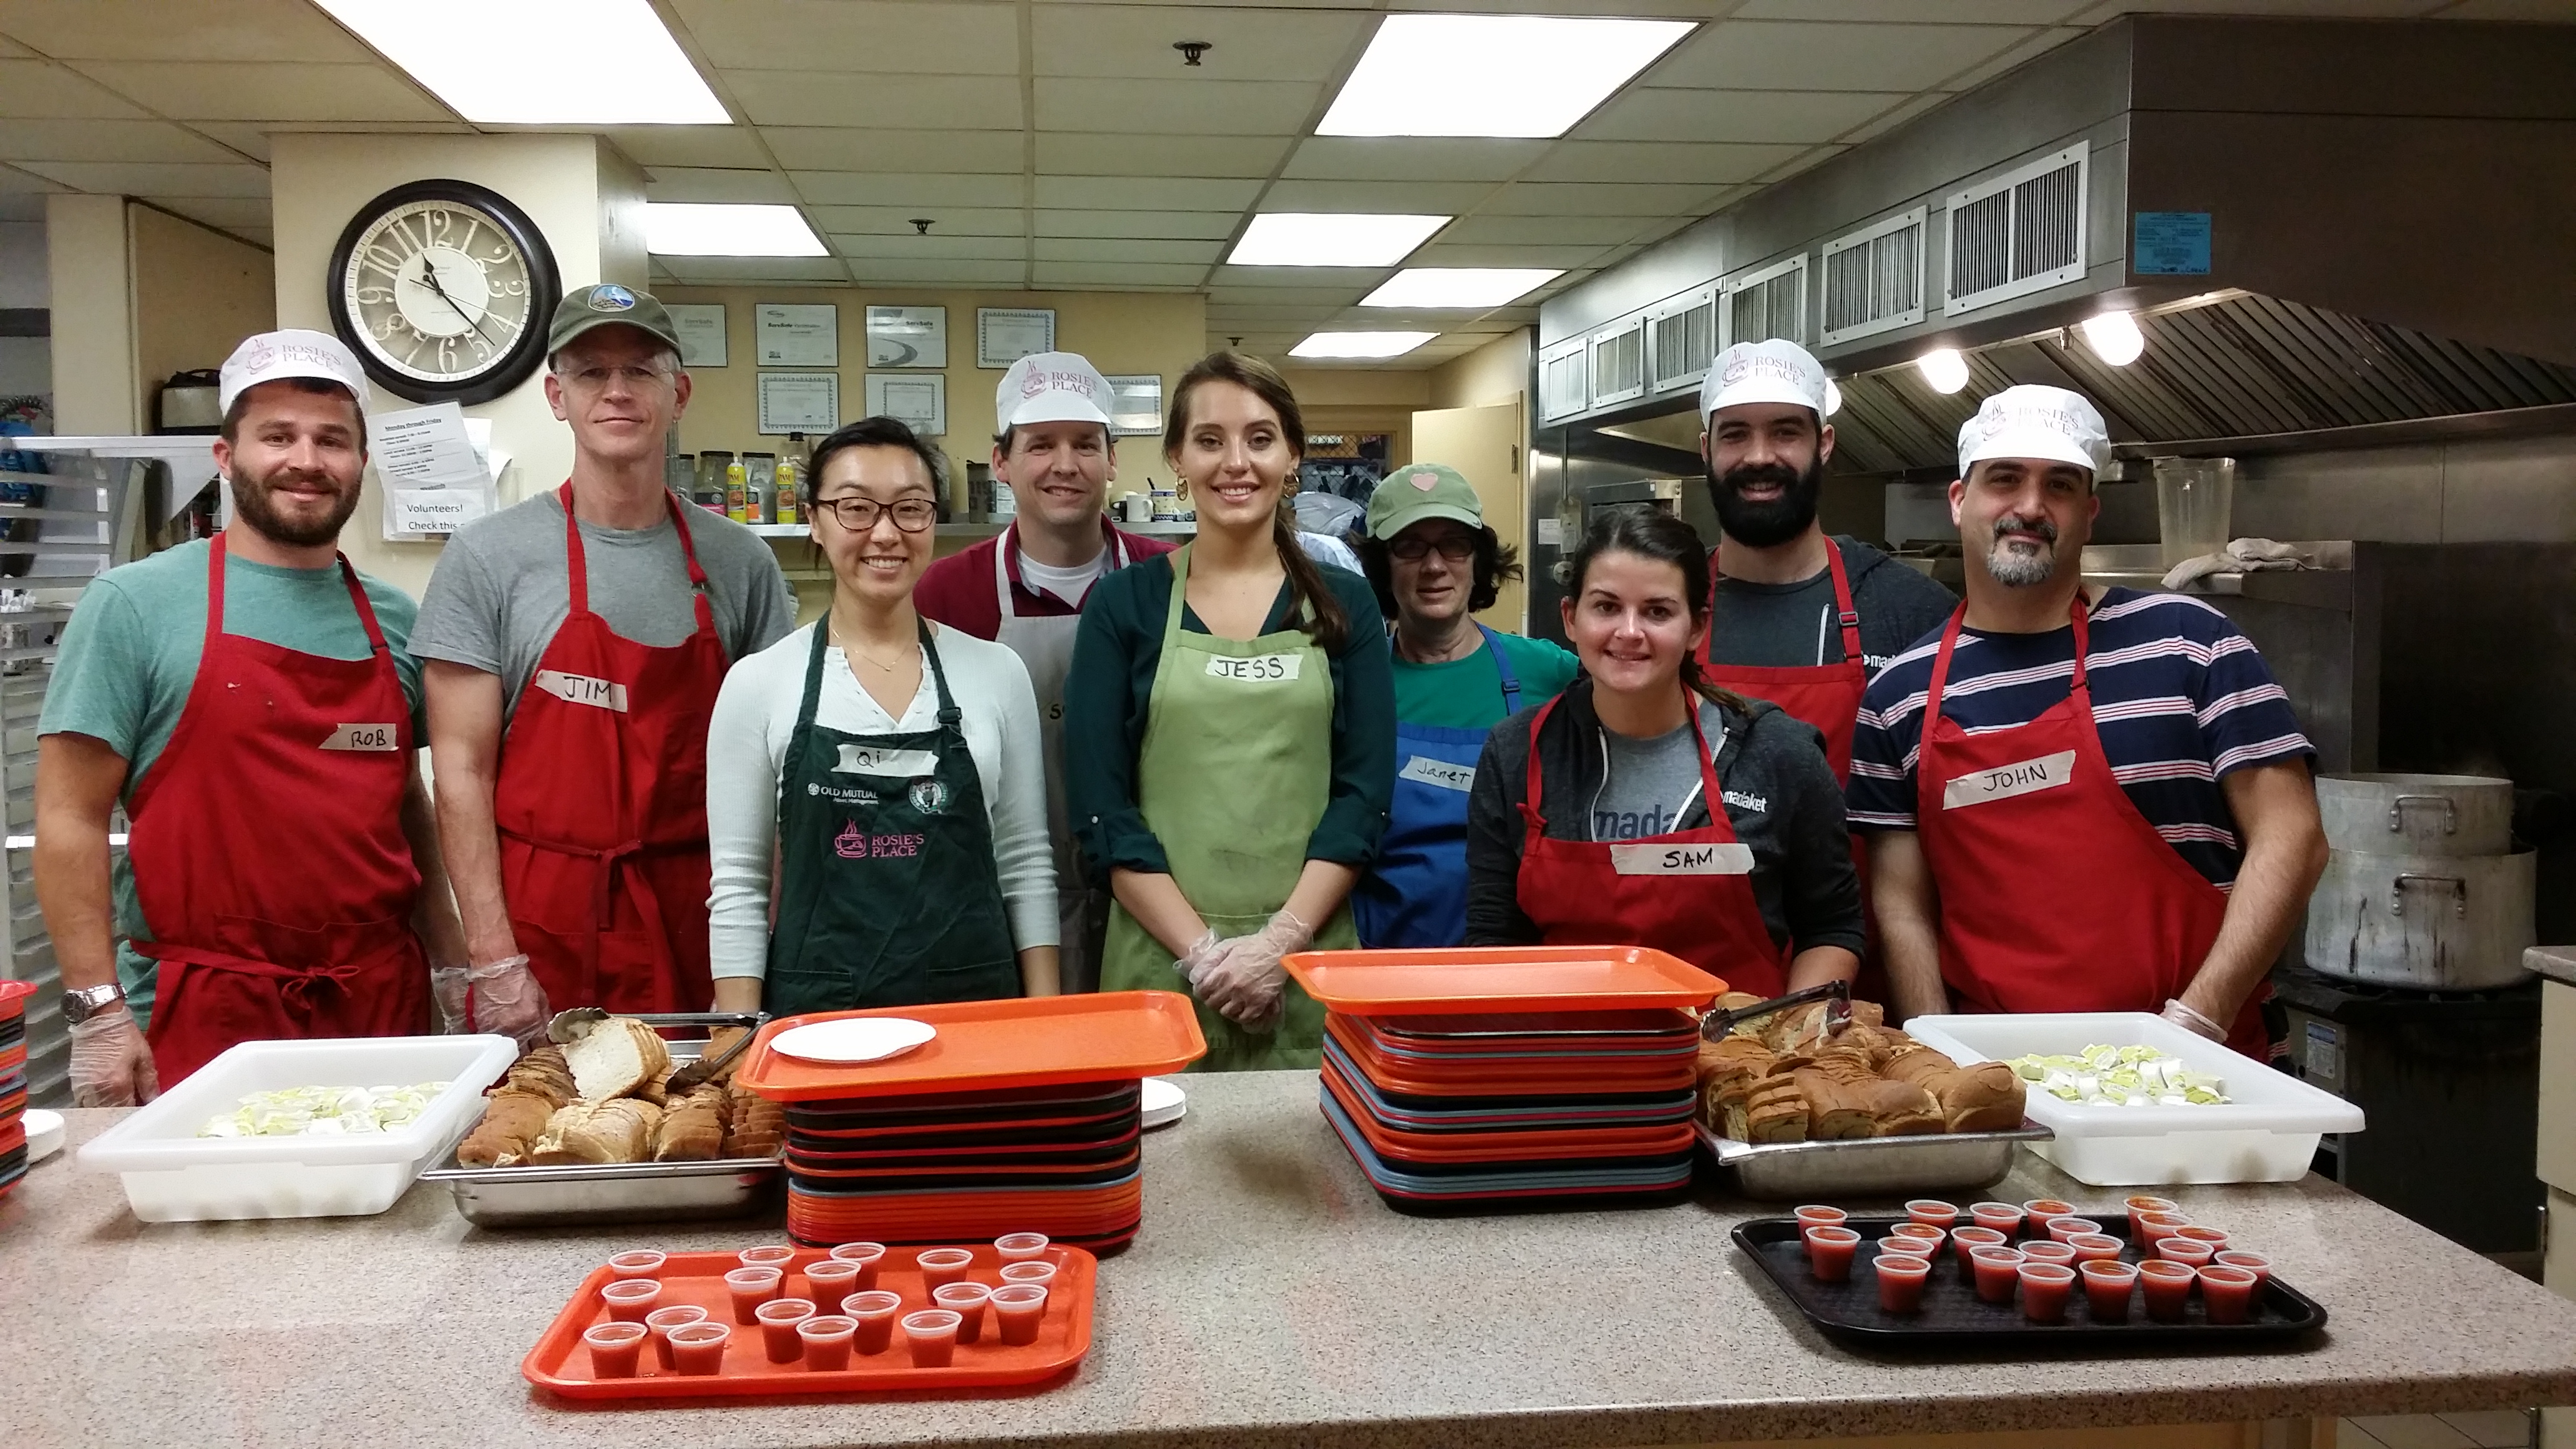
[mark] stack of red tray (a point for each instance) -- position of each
(1018, 1116)
(13, 1082)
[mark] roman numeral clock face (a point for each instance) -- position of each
(444, 290)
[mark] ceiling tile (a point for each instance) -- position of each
(1117, 274)
(1482, 254)
(40, 89)
(195, 30)
(1127, 249)
(688, 183)
(267, 91)
(1889, 120)
(2356, 9)
(829, 148)
(714, 146)
(1354, 282)
(1186, 107)
(14, 181)
(1948, 12)
(11, 47)
(232, 213)
(926, 37)
(1223, 292)
(1812, 157)
(257, 236)
(1145, 193)
(1171, 225)
(934, 247)
(250, 138)
(2507, 10)
(897, 220)
(1410, 158)
(874, 272)
(1766, 55)
(1763, 116)
(1105, 154)
(133, 179)
(1542, 230)
(1249, 44)
(1600, 198)
(1402, 198)
(723, 270)
(1659, 161)
(2038, 45)
(95, 140)
(857, 188)
(909, 102)
(1262, 317)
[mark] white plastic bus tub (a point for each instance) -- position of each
(172, 1175)
(2267, 1130)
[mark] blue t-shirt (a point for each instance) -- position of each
(2180, 697)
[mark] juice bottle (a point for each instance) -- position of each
(737, 493)
(791, 476)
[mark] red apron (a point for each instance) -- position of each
(1824, 695)
(602, 804)
(268, 849)
(1589, 893)
(2118, 922)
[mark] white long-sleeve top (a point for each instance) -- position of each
(747, 740)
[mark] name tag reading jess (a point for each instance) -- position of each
(1259, 668)
(1439, 774)
(369, 737)
(899, 764)
(1732, 858)
(2028, 776)
(582, 689)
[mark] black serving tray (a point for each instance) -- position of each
(1953, 1317)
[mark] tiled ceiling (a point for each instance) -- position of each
(1063, 144)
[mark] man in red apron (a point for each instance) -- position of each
(2082, 799)
(575, 643)
(254, 694)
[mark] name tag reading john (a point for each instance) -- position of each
(373, 738)
(1439, 774)
(899, 764)
(581, 689)
(2027, 777)
(1257, 668)
(1733, 858)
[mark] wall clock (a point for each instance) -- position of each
(444, 290)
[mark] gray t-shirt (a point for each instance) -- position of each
(1651, 783)
(1794, 625)
(503, 588)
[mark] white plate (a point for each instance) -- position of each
(44, 1134)
(1164, 1102)
(853, 1039)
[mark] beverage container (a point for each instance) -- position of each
(2194, 497)
(792, 461)
(710, 491)
(738, 493)
(760, 487)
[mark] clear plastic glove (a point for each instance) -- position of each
(447, 992)
(1244, 981)
(504, 998)
(112, 1063)
(1193, 962)
(2191, 1020)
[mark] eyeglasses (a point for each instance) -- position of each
(859, 515)
(1455, 547)
(637, 378)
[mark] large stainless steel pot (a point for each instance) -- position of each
(2428, 922)
(2417, 814)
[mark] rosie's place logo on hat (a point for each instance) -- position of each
(610, 297)
(1035, 384)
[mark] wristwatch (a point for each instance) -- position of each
(89, 1001)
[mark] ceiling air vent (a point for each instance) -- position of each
(1681, 339)
(1874, 278)
(1619, 363)
(1769, 303)
(2017, 233)
(1562, 390)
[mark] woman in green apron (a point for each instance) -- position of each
(1230, 734)
(894, 769)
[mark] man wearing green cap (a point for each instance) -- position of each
(1434, 563)
(573, 646)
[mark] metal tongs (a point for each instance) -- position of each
(1838, 1016)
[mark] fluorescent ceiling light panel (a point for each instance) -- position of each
(1360, 344)
(708, 229)
(558, 63)
(1426, 288)
(1331, 239)
(1492, 75)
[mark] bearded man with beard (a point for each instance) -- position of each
(2079, 798)
(252, 702)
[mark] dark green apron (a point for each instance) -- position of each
(888, 893)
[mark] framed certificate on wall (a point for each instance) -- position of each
(920, 401)
(907, 337)
(1004, 335)
(797, 334)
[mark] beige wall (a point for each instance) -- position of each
(93, 315)
(197, 294)
(1362, 400)
(1497, 372)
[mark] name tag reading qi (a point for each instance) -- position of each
(1732, 858)
(2028, 776)
(899, 764)
(368, 737)
(1440, 774)
(582, 689)
(1259, 667)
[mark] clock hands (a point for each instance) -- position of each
(429, 274)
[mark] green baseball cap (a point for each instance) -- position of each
(1418, 491)
(584, 308)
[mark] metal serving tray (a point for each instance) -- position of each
(1868, 1166)
(628, 1192)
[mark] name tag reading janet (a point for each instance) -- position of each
(899, 764)
(2045, 773)
(1439, 774)
(1259, 668)
(374, 738)
(582, 689)
(1733, 858)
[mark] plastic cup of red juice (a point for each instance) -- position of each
(1018, 1309)
(2067, 1225)
(2141, 1205)
(2254, 1263)
(2003, 1217)
(1900, 1282)
(828, 1281)
(2039, 1210)
(2167, 1287)
(771, 1256)
(869, 1257)
(932, 1336)
(1932, 1210)
(2039, 1251)
(2154, 1228)
(1829, 1253)
(2179, 1249)
(2094, 1248)
(662, 1320)
(2108, 1284)
(778, 1319)
(699, 1348)
(2216, 1239)
(1998, 1272)
(941, 1266)
(1036, 1270)
(2045, 1287)
(1020, 1247)
(642, 1263)
(1930, 1233)
(614, 1348)
(1817, 1215)
(2229, 1292)
(629, 1299)
(967, 1301)
(1964, 1241)
(751, 1287)
(826, 1338)
(875, 1309)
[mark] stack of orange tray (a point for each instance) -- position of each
(1477, 1080)
(13, 1082)
(1017, 1116)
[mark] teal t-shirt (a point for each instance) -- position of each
(1467, 694)
(129, 657)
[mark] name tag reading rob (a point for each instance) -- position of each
(374, 738)
(1439, 774)
(1258, 668)
(582, 689)
(2024, 778)
(1732, 858)
(899, 764)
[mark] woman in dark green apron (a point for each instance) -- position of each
(1230, 734)
(888, 891)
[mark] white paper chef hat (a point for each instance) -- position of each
(293, 352)
(1051, 387)
(1773, 370)
(2031, 421)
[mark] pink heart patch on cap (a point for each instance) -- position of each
(1425, 480)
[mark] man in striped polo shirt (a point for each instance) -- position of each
(2079, 798)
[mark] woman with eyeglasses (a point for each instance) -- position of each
(1435, 563)
(891, 768)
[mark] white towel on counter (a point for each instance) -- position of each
(2244, 556)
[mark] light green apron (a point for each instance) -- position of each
(1235, 771)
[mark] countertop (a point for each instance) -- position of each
(2557, 963)
(1271, 1300)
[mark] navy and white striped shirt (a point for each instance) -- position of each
(2180, 697)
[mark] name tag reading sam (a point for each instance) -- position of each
(1439, 774)
(582, 689)
(2027, 777)
(1256, 668)
(1733, 858)
(374, 738)
(900, 764)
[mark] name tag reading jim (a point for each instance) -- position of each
(581, 689)
(373, 738)
(1439, 773)
(1257, 668)
(1732, 858)
(899, 764)
(2027, 777)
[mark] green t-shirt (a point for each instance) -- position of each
(129, 657)
(1467, 694)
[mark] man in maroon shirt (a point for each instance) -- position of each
(1025, 586)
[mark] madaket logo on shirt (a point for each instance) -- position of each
(1257, 668)
(2020, 778)
(1439, 774)
(1733, 857)
(372, 738)
(901, 764)
(582, 689)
